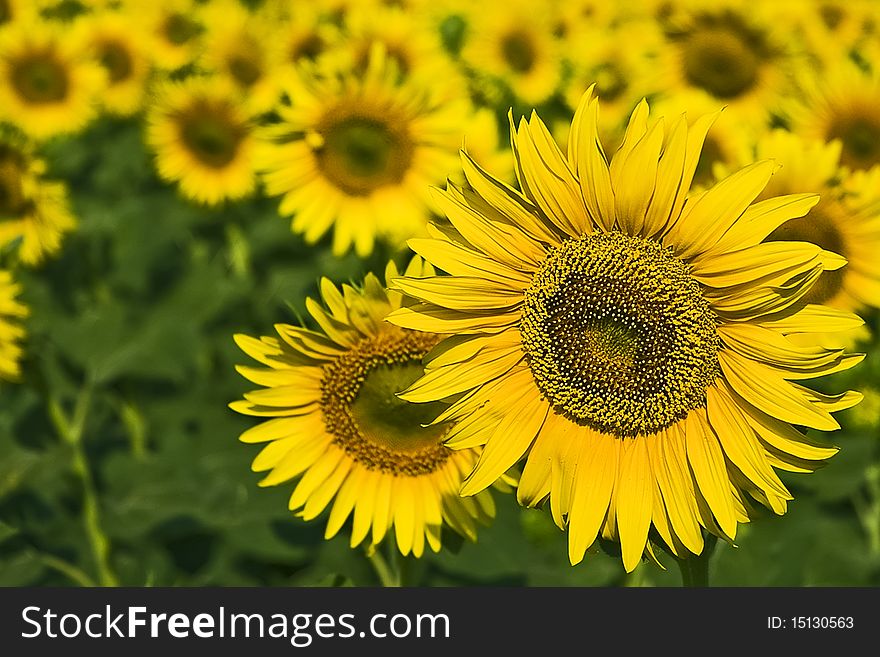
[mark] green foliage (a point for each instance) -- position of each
(133, 322)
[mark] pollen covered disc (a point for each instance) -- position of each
(362, 412)
(618, 334)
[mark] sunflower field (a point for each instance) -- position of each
(439, 293)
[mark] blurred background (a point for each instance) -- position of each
(135, 252)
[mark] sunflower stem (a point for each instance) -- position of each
(695, 569)
(386, 574)
(70, 430)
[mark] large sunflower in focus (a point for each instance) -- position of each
(358, 152)
(339, 426)
(48, 85)
(11, 331)
(628, 339)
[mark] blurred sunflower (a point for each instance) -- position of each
(843, 103)
(846, 220)
(623, 70)
(203, 139)
(339, 424)
(48, 85)
(731, 51)
(514, 44)
(731, 140)
(358, 153)
(123, 51)
(11, 331)
(173, 28)
(631, 345)
(241, 48)
(301, 30)
(829, 30)
(32, 209)
(409, 43)
(12, 11)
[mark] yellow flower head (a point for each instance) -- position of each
(48, 85)
(512, 43)
(339, 427)
(242, 48)
(630, 340)
(203, 139)
(11, 331)
(358, 152)
(122, 49)
(33, 210)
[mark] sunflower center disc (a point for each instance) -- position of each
(179, 29)
(860, 136)
(610, 81)
(309, 47)
(518, 51)
(618, 335)
(820, 228)
(361, 154)
(116, 59)
(211, 137)
(362, 411)
(721, 61)
(40, 79)
(12, 198)
(244, 69)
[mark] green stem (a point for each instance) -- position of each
(68, 569)
(695, 569)
(70, 430)
(387, 577)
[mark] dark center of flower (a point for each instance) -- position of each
(40, 78)
(244, 68)
(361, 409)
(610, 81)
(180, 28)
(723, 59)
(618, 334)
(211, 134)
(309, 47)
(360, 154)
(518, 51)
(831, 15)
(5, 11)
(860, 137)
(12, 197)
(116, 59)
(820, 227)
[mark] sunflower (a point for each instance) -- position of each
(512, 43)
(409, 43)
(33, 210)
(731, 140)
(846, 220)
(241, 48)
(173, 28)
(731, 51)
(358, 152)
(11, 331)
(123, 52)
(203, 139)
(12, 11)
(628, 339)
(48, 86)
(844, 104)
(338, 423)
(623, 69)
(301, 31)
